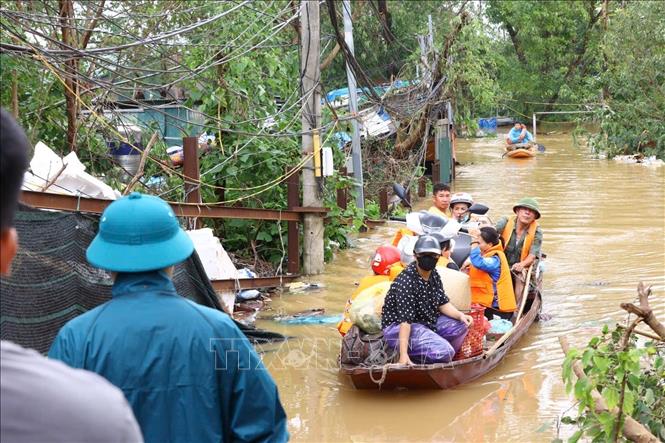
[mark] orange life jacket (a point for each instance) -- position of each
(345, 323)
(528, 241)
(399, 234)
(482, 286)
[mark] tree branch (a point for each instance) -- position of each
(330, 57)
(644, 311)
(632, 429)
(517, 44)
(91, 25)
(335, 50)
(416, 132)
(625, 341)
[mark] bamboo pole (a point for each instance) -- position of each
(507, 335)
(525, 293)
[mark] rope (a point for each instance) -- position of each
(552, 104)
(384, 373)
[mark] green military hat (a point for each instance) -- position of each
(530, 203)
(139, 233)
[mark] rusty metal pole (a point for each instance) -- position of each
(422, 187)
(293, 236)
(436, 168)
(383, 201)
(191, 172)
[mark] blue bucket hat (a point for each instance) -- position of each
(139, 233)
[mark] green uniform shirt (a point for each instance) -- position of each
(513, 250)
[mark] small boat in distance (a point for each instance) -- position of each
(521, 150)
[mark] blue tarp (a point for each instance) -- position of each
(312, 320)
(341, 93)
(487, 124)
(342, 138)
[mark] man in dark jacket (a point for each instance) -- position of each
(187, 370)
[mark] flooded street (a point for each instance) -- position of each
(603, 225)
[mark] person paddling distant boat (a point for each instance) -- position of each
(518, 135)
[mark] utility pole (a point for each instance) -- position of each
(310, 73)
(353, 108)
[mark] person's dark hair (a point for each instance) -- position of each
(445, 245)
(440, 187)
(490, 235)
(14, 148)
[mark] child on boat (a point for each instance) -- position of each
(489, 274)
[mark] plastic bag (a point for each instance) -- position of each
(499, 325)
(366, 309)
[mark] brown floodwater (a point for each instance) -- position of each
(603, 225)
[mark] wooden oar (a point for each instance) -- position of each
(505, 336)
(525, 293)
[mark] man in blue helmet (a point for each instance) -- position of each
(187, 371)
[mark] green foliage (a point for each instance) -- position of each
(633, 120)
(339, 225)
(372, 210)
(472, 77)
(549, 52)
(559, 51)
(638, 371)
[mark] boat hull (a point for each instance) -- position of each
(520, 153)
(442, 375)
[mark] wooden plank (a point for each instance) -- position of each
(191, 170)
(71, 203)
(252, 283)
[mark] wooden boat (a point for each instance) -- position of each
(447, 375)
(520, 151)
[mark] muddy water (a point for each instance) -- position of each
(604, 231)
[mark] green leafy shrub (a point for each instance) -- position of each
(638, 370)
